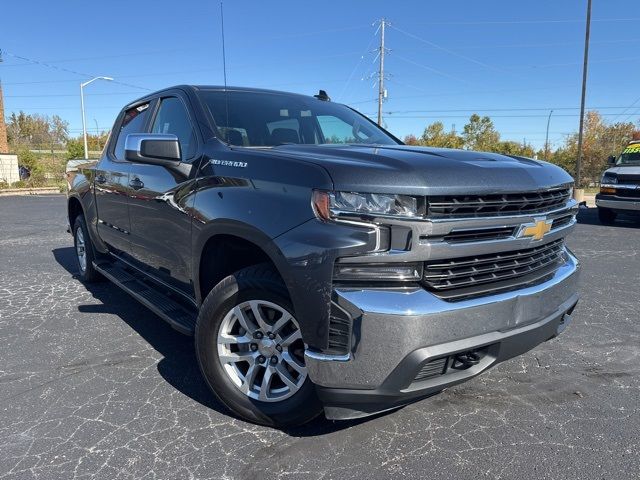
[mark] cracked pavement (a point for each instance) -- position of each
(93, 385)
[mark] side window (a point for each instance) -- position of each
(133, 122)
(173, 118)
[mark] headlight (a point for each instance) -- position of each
(609, 178)
(329, 205)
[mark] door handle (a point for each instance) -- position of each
(136, 183)
(101, 179)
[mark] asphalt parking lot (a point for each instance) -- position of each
(93, 385)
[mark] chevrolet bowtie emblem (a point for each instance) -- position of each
(536, 230)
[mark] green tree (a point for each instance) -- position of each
(480, 134)
(435, 136)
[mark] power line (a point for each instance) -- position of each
(492, 116)
(367, 50)
(48, 65)
(433, 70)
(513, 109)
(524, 22)
(451, 52)
(70, 95)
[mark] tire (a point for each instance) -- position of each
(288, 398)
(606, 216)
(85, 253)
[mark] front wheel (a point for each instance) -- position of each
(250, 350)
(606, 216)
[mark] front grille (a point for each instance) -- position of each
(467, 277)
(629, 179)
(457, 206)
(560, 222)
(628, 192)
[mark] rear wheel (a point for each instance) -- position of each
(85, 253)
(250, 350)
(606, 216)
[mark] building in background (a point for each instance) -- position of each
(8, 163)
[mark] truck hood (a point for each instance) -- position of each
(426, 171)
(625, 170)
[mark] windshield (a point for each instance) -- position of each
(264, 119)
(630, 155)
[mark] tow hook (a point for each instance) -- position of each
(464, 360)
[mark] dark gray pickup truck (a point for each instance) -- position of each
(320, 263)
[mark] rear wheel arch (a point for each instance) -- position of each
(74, 209)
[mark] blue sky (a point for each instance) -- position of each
(511, 60)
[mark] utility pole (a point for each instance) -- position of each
(584, 92)
(546, 139)
(383, 22)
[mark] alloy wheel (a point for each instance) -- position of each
(260, 348)
(81, 250)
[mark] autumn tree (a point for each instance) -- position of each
(599, 141)
(35, 130)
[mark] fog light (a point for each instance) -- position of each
(405, 272)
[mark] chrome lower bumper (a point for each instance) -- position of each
(619, 204)
(391, 324)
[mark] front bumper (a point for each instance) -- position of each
(613, 202)
(396, 332)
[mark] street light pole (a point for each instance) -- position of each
(84, 121)
(546, 140)
(584, 92)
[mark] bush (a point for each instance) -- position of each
(19, 184)
(27, 159)
(75, 149)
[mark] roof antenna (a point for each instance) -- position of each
(224, 70)
(322, 95)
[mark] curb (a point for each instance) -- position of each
(29, 191)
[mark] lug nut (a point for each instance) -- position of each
(279, 348)
(254, 347)
(261, 359)
(271, 336)
(274, 360)
(258, 335)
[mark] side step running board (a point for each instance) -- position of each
(179, 317)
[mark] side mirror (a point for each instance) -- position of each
(611, 160)
(153, 148)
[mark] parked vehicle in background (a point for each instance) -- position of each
(620, 185)
(319, 262)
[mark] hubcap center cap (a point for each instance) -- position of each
(267, 347)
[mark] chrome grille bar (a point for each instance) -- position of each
(456, 206)
(452, 278)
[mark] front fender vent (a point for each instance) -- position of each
(340, 327)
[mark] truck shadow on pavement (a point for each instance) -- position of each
(589, 216)
(178, 366)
